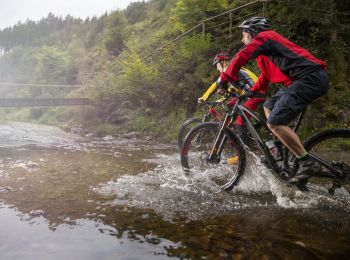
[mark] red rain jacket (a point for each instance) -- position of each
(279, 60)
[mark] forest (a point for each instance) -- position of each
(138, 87)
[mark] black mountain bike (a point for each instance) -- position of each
(209, 147)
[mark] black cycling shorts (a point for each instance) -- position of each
(288, 102)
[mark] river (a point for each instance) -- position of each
(63, 196)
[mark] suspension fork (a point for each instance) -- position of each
(220, 139)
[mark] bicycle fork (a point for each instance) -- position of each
(220, 140)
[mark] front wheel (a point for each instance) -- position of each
(226, 168)
(185, 129)
(333, 146)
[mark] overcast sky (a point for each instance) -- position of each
(12, 11)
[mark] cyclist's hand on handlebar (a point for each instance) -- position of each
(221, 91)
(200, 100)
(219, 101)
(253, 94)
(221, 86)
(249, 94)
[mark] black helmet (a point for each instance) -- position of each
(254, 25)
(221, 56)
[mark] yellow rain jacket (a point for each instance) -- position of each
(245, 76)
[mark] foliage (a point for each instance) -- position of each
(136, 12)
(113, 37)
(107, 54)
(52, 66)
(188, 13)
(140, 80)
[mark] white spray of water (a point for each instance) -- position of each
(170, 192)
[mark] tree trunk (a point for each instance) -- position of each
(334, 25)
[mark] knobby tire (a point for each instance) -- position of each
(185, 128)
(322, 144)
(196, 148)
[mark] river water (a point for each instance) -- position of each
(67, 197)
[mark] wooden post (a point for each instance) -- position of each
(230, 24)
(264, 8)
(203, 28)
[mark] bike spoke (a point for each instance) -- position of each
(223, 169)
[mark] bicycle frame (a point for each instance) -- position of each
(239, 109)
(261, 144)
(212, 112)
(333, 171)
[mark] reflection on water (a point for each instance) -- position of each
(29, 237)
(69, 197)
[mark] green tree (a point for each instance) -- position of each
(113, 37)
(53, 65)
(188, 13)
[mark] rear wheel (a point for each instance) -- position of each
(226, 169)
(333, 146)
(185, 128)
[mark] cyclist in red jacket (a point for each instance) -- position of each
(282, 61)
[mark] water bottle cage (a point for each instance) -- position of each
(275, 148)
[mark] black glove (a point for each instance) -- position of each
(221, 86)
(249, 93)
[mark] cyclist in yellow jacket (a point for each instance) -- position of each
(246, 79)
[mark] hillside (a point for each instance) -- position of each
(155, 95)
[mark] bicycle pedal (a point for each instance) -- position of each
(284, 175)
(302, 187)
(335, 186)
(290, 184)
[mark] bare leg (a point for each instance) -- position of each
(267, 112)
(289, 138)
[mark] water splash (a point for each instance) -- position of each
(171, 193)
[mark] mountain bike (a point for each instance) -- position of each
(210, 153)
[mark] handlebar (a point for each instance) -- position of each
(243, 87)
(210, 103)
(257, 95)
(239, 97)
(245, 96)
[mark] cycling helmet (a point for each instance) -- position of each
(221, 56)
(256, 24)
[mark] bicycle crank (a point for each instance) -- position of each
(336, 185)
